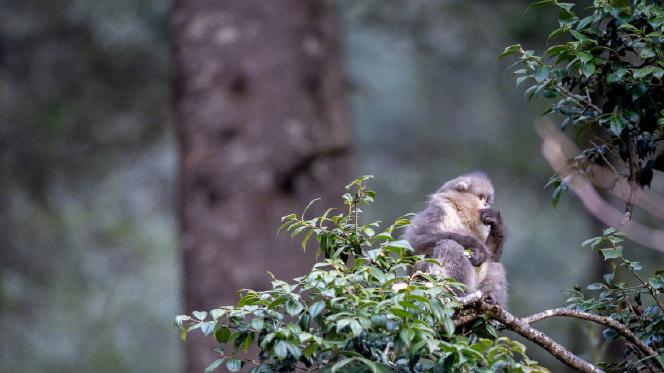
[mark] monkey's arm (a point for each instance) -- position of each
(424, 242)
(497, 234)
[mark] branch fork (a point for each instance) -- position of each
(477, 307)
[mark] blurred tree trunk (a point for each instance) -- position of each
(263, 129)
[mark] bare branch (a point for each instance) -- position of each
(603, 320)
(466, 318)
(521, 327)
(470, 298)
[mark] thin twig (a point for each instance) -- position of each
(567, 93)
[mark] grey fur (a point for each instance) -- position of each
(459, 197)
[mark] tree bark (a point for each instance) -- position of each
(262, 125)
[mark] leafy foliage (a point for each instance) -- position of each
(609, 75)
(626, 296)
(357, 310)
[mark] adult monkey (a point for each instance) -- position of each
(459, 216)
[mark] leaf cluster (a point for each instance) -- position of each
(359, 309)
(608, 75)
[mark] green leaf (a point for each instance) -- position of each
(541, 73)
(612, 253)
(310, 350)
(616, 125)
(356, 328)
(656, 282)
(306, 237)
(643, 72)
(340, 364)
(541, 3)
(520, 79)
(587, 69)
(645, 53)
(585, 57)
(246, 342)
(658, 72)
(233, 365)
(257, 324)
(222, 335)
(400, 312)
(558, 31)
(567, 6)
(293, 307)
(622, 5)
(201, 315)
(449, 326)
(592, 242)
(400, 244)
(316, 309)
(180, 319)
(281, 350)
(217, 313)
(556, 50)
(407, 335)
(207, 327)
(216, 364)
(510, 50)
(295, 351)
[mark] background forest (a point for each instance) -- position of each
(90, 267)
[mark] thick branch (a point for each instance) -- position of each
(603, 320)
(471, 298)
(521, 327)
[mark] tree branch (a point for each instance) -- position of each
(478, 307)
(603, 320)
(521, 327)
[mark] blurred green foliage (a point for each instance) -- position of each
(87, 187)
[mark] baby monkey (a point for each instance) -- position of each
(459, 217)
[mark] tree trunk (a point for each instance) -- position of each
(263, 129)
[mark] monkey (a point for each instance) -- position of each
(459, 216)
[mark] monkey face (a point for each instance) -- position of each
(473, 189)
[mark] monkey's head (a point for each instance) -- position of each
(473, 188)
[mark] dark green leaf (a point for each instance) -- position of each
(222, 334)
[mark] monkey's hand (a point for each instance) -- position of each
(492, 218)
(478, 254)
(496, 237)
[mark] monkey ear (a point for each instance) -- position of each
(461, 186)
